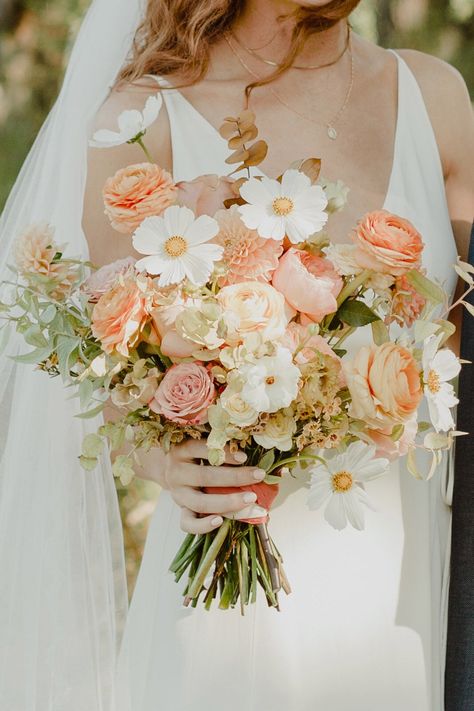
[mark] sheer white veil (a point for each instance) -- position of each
(63, 597)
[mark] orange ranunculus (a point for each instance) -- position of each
(120, 315)
(385, 385)
(387, 243)
(136, 192)
(309, 283)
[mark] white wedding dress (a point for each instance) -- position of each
(365, 626)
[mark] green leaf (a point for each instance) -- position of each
(65, 348)
(267, 460)
(49, 314)
(425, 287)
(88, 463)
(397, 432)
(33, 357)
(91, 413)
(380, 332)
(122, 469)
(216, 457)
(423, 427)
(92, 445)
(86, 390)
(356, 313)
(34, 337)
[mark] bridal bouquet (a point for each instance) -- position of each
(232, 326)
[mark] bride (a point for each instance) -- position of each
(365, 628)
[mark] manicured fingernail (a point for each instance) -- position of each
(257, 512)
(250, 497)
(240, 456)
(259, 474)
(217, 520)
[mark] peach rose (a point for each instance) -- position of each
(120, 315)
(206, 194)
(252, 307)
(184, 394)
(247, 256)
(310, 284)
(104, 278)
(385, 385)
(387, 243)
(136, 192)
(385, 445)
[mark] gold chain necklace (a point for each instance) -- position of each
(330, 125)
(277, 65)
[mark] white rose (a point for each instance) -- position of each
(252, 307)
(278, 432)
(240, 412)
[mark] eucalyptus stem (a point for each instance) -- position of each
(352, 286)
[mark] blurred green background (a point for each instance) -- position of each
(35, 36)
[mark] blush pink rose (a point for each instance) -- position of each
(104, 278)
(386, 447)
(136, 192)
(387, 243)
(184, 394)
(385, 385)
(206, 194)
(310, 284)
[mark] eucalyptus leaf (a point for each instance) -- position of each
(380, 332)
(34, 337)
(33, 357)
(92, 445)
(267, 460)
(356, 313)
(397, 432)
(49, 314)
(425, 287)
(91, 413)
(88, 463)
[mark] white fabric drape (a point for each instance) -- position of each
(63, 595)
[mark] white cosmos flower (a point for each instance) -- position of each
(439, 366)
(131, 123)
(294, 207)
(175, 243)
(338, 481)
(271, 382)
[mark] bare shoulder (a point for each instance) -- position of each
(446, 97)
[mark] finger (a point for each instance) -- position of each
(197, 449)
(212, 503)
(191, 523)
(205, 475)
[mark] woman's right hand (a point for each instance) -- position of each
(184, 476)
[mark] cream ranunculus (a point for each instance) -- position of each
(278, 432)
(240, 412)
(252, 307)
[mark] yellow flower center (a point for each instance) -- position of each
(270, 380)
(176, 246)
(282, 206)
(342, 481)
(433, 381)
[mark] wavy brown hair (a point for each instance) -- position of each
(176, 36)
